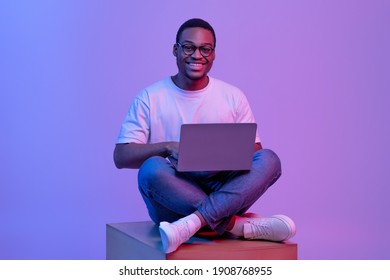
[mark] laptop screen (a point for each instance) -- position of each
(216, 147)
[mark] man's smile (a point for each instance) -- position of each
(195, 65)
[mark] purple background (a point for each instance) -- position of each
(316, 73)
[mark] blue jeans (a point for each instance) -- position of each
(218, 196)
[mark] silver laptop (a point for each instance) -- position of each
(216, 147)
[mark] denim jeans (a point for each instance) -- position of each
(218, 196)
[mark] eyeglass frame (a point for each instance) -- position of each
(195, 48)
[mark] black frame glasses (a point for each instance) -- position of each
(189, 49)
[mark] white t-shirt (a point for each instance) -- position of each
(157, 112)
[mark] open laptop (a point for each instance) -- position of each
(215, 147)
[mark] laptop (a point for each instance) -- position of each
(215, 147)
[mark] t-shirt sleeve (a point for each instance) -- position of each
(135, 127)
(244, 114)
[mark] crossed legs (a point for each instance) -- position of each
(195, 199)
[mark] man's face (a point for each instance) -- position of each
(194, 66)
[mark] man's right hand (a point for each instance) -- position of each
(173, 149)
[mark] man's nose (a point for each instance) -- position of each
(197, 53)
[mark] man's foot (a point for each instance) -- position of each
(275, 228)
(250, 215)
(237, 229)
(174, 234)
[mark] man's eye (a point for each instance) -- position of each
(205, 49)
(188, 48)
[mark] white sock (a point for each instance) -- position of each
(238, 227)
(193, 222)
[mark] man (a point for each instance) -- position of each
(183, 203)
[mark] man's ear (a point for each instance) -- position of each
(174, 51)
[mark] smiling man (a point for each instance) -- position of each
(184, 202)
(194, 51)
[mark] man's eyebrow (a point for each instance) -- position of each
(190, 42)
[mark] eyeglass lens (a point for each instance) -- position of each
(190, 49)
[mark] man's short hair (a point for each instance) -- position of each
(195, 22)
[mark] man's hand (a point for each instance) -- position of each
(258, 146)
(173, 149)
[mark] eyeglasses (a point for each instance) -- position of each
(189, 49)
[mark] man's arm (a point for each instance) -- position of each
(132, 155)
(258, 146)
